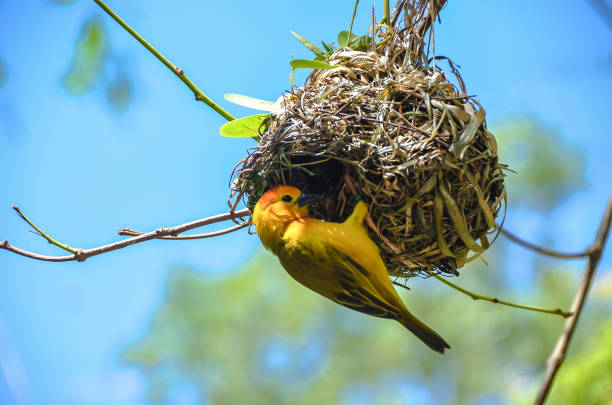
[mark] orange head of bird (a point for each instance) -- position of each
(277, 208)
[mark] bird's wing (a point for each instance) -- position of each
(356, 290)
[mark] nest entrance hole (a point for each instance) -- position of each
(313, 175)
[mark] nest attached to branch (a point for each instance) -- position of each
(415, 146)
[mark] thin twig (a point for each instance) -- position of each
(178, 72)
(43, 234)
(556, 358)
(474, 296)
(83, 254)
(350, 31)
(544, 251)
(399, 6)
(130, 232)
(400, 285)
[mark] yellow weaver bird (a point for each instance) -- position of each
(337, 260)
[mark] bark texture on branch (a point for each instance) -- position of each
(81, 255)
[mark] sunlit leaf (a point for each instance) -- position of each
(252, 102)
(310, 64)
(88, 58)
(356, 43)
(313, 48)
(361, 44)
(326, 47)
(343, 38)
(246, 127)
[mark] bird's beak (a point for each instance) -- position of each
(306, 199)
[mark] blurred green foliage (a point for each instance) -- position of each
(89, 56)
(259, 337)
(119, 91)
(588, 378)
(256, 336)
(3, 73)
(95, 65)
(64, 2)
(548, 168)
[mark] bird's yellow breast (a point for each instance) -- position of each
(316, 238)
(336, 260)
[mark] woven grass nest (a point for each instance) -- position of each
(388, 124)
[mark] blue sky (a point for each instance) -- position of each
(81, 171)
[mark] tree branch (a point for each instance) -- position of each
(548, 252)
(81, 255)
(474, 296)
(178, 72)
(556, 358)
(130, 232)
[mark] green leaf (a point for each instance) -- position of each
(310, 64)
(343, 39)
(361, 44)
(313, 48)
(327, 47)
(357, 43)
(246, 127)
(251, 102)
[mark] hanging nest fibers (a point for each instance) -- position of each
(414, 146)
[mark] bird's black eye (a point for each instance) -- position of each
(287, 198)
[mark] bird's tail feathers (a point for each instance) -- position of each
(423, 332)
